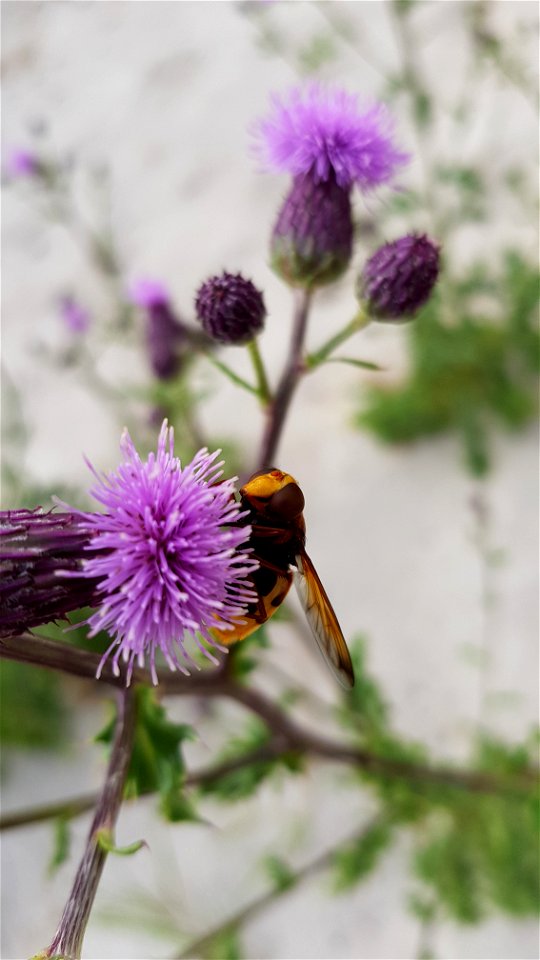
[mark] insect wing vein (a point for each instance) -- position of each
(323, 621)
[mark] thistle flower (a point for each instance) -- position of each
(36, 550)
(22, 163)
(230, 308)
(169, 555)
(399, 278)
(164, 333)
(329, 145)
(75, 317)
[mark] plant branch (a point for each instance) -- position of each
(198, 947)
(67, 941)
(279, 407)
(357, 323)
(287, 734)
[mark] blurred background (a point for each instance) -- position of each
(420, 479)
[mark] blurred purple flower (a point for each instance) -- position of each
(145, 292)
(22, 163)
(322, 132)
(169, 555)
(165, 334)
(74, 315)
(399, 278)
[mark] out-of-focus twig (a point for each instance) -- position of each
(287, 735)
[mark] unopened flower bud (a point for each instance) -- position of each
(230, 308)
(312, 240)
(165, 335)
(399, 278)
(42, 556)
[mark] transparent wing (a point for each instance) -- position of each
(323, 621)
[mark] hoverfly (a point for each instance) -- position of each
(274, 503)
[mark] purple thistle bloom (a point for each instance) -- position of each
(322, 132)
(164, 333)
(74, 315)
(329, 145)
(399, 278)
(231, 309)
(170, 555)
(36, 551)
(22, 163)
(147, 293)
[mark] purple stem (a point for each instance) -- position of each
(67, 941)
(279, 407)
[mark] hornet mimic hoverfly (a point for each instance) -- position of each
(274, 503)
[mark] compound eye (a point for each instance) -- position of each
(288, 502)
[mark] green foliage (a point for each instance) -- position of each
(156, 763)
(237, 784)
(279, 873)
(356, 860)
(477, 851)
(61, 843)
(105, 840)
(364, 708)
(225, 946)
(471, 373)
(483, 854)
(33, 713)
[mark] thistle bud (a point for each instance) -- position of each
(399, 278)
(165, 335)
(230, 309)
(41, 562)
(312, 240)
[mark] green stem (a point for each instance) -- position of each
(358, 322)
(260, 373)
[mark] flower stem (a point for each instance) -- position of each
(260, 373)
(358, 322)
(67, 941)
(279, 407)
(288, 734)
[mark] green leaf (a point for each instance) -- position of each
(354, 861)
(232, 376)
(62, 843)
(469, 375)
(364, 364)
(243, 782)
(105, 841)
(279, 872)
(39, 719)
(156, 763)
(225, 946)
